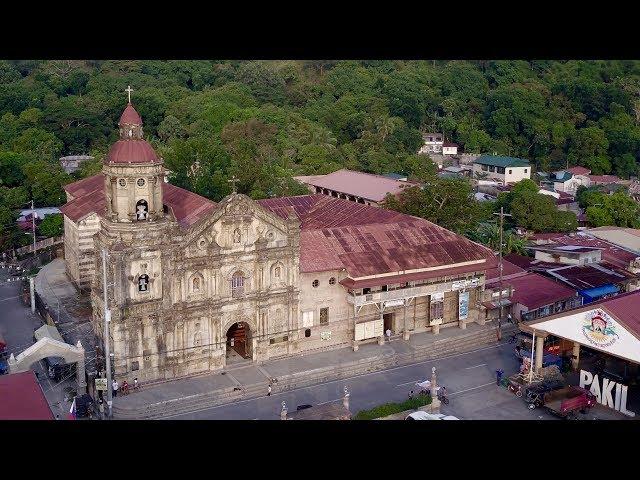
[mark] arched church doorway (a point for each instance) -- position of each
(238, 342)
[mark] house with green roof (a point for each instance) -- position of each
(501, 169)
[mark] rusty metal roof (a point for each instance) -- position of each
(364, 185)
(187, 207)
(23, 398)
(130, 116)
(85, 186)
(535, 291)
(368, 240)
(131, 151)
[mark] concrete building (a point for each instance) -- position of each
(432, 143)
(567, 254)
(195, 285)
(71, 163)
(449, 148)
(365, 188)
(502, 169)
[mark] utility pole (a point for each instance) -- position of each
(33, 228)
(107, 319)
(502, 215)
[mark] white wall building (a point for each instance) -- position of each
(503, 169)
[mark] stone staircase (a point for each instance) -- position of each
(465, 342)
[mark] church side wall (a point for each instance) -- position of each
(339, 329)
(71, 252)
(87, 228)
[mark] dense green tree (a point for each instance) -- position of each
(52, 226)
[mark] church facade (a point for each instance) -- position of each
(195, 286)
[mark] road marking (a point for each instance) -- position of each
(408, 383)
(329, 401)
(476, 366)
(473, 388)
(340, 380)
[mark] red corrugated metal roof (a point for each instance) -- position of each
(186, 206)
(21, 398)
(604, 179)
(368, 240)
(85, 186)
(610, 252)
(535, 291)
(131, 151)
(364, 185)
(579, 171)
(590, 276)
(130, 116)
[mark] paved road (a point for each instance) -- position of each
(469, 378)
(17, 324)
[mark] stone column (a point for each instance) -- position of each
(539, 352)
(435, 329)
(406, 333)
(80, 373)
(435, 402)
(283, 412)
(576, 356)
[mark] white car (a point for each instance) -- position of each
(420, 415)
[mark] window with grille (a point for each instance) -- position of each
(324, 316)
(436, 308)
(332, 281)
(315, 283)
(307, 332)
(237, 285)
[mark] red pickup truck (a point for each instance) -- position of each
(565, 402)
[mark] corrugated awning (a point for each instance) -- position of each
(409, 277)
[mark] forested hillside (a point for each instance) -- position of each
(265, 121)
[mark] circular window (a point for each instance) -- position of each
(202, 243)
(315, 283)
(270, 235)
(141, 182)
(332, 281)
(122, 182)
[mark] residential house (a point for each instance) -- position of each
(503, 169)
(432, 143)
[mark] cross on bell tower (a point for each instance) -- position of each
(233, 182)
(129, 90)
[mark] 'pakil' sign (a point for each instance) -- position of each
(605, 394)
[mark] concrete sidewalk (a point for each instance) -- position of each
(251, 380)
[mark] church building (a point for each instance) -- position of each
(195, 285)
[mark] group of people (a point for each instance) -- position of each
(115, 386)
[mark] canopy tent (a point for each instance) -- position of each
(592, 294)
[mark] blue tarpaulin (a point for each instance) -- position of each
(591, 294)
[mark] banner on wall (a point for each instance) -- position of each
(463, 305)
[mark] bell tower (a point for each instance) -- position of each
(133, 174)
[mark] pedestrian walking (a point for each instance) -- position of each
(509, 319)
(135, 383)
(499, 374)
(388, 332)
(114, 386)
(269, 391)
(101, 409)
